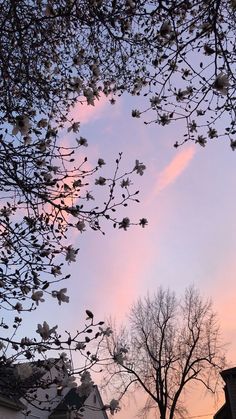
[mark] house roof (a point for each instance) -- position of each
(13, 387)
(73, 401)
(70, 400)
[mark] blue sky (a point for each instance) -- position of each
(187, 195)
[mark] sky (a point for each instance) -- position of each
(188, 196)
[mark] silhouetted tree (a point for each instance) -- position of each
(168, 344)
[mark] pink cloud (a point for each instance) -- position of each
(123, 274)
(86, 113)
(174, 169)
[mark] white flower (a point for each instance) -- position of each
(25, 342)
(88, 93)
(63, 356)
(136, 113)
(95, 70)
(45, 331)
(233, 144)
(27, 140)
(37, 296)
(76, 82)
(154, 100)
(82, 141)
(2, 346)
(114, 406)
(120, 355)
(107, 332)
(80, 345)
(46, 176)
(56, 270)
(86, 386)
(201, 140)
(125, 183)
(18, 307)
(221, 84)
(101, 162)
(42, 123)
(100, 181)
(139, 167)
(68, 382)
(60, 295)
(143, 222)
(81, 226)
(24, 371)
(125, 223)
(89, 196)
(166, 29)
(70, 254)
(74, 127)
(164, 119)
(22, 125)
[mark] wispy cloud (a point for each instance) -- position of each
(174, 169)
(87, 113)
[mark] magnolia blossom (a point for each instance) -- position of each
(2, 345)
(24, 371)
(37, 296)
(106, 332)
(18, 307)
(221, 84)
(201, 140)
(88, 93)
(166, 29)
(120, 355)
(136, 113)
(68, 381)
(45, 331)
(47, 176)
(154, 100)
(76, 82)
(80, 345)
(25, 342)
(22, 125)
(164, 119)
(101, 162)
(56, 270)
(82, 141)
(143, 222)
(27, 140)
(70, 254)
(86, 386)
(60, 295)
(81, 226)
(42, 123)
(125, 183)
(74, 127)
(89, 196)
(125, 223)
(100, 181)
(114, 406)
(95, 69)
(139, 167)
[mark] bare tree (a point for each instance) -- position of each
(168, 344)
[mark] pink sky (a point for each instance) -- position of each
(188, 197)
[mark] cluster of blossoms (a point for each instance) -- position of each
(44, 330)
(119, 355)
